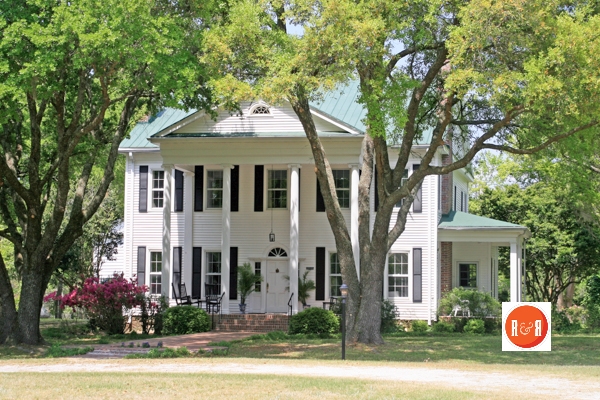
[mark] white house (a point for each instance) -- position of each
(204, 195)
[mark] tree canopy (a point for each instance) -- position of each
(74, 76)
(515, 76)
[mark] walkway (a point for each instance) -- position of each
(193, 342)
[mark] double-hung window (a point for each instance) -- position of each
(213, 269)
(155, 272)
(398, 275)
(158, 188)
(467, 275)
(341, 178)
(214, 191)
(402, 183)
(335, 275)
(277, 189)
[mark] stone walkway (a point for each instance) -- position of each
(193, 342)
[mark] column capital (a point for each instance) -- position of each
(227, 166)
(167, 166)
(298, 166)
(354, 166)
(188, 173)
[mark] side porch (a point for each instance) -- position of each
(468, 253)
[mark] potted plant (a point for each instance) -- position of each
(304, 286)
(247, 281)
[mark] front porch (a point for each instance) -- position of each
(468, 253)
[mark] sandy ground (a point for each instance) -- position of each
(484, 381)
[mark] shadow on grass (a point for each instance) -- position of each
(579, 349)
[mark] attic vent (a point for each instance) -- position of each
(277, 252)
(260, 110)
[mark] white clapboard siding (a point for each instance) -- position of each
(281, 119)
(480, 253)
(461, 184)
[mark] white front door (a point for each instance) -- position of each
(277, 293)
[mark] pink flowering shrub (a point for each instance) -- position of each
(105, 303)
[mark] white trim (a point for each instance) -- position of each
(386, 291)
(335, 122)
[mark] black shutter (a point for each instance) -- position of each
(235, 188)
(417, 275)
(454, 209)
(376, 200)
(178, 191)
(197, 272)
(418, 202)
(320, 200)
(198, 187)
(141, 266)
(233, 266)
(176, 267)
(143, 196)
(320, 274)
(259, 186)
(299, 186)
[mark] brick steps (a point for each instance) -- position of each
(253, 322)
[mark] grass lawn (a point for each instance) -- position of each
(575, 350)
(64, 333)
(223, 386)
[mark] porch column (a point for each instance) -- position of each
(515, 270)
(354, 178)
(166, 235)
(294, 239)
(225, 236)
(188, 228)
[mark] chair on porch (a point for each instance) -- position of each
(334, 304)
(181, 296)
(214, 297)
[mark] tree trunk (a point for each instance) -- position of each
(8, 311)
(33, 287)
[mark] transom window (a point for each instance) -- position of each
(277, 252)
(398, 275)
(213, 268)
(260, 110)
(467, 275)
(341, 177)
(402, 183)
(277, 189)
(214, 191)
(335, 275)
(158, 186)
(155, 272)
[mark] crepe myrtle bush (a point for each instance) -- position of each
(104, 302)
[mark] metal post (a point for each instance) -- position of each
(343, 328)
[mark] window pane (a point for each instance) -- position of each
(397, 286)
(467, 274)
(341, 178)
(277, 189)
(215, 179)
(214, 263)
(334, 264)
(335, 283)
(398, 264)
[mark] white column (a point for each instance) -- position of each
(294, 238)
(188, 228)
(225, 236)
(166, 242)
(354, 178)
(515, 273)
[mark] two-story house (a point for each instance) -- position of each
(204, 196)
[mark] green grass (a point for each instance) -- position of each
(72, 333)
(225, 386)
(582, 349)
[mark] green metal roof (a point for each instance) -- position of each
(138, 137)
(461, 220)
(342, 105)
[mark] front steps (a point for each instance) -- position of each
(260, 323)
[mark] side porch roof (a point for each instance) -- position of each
(458, 226)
